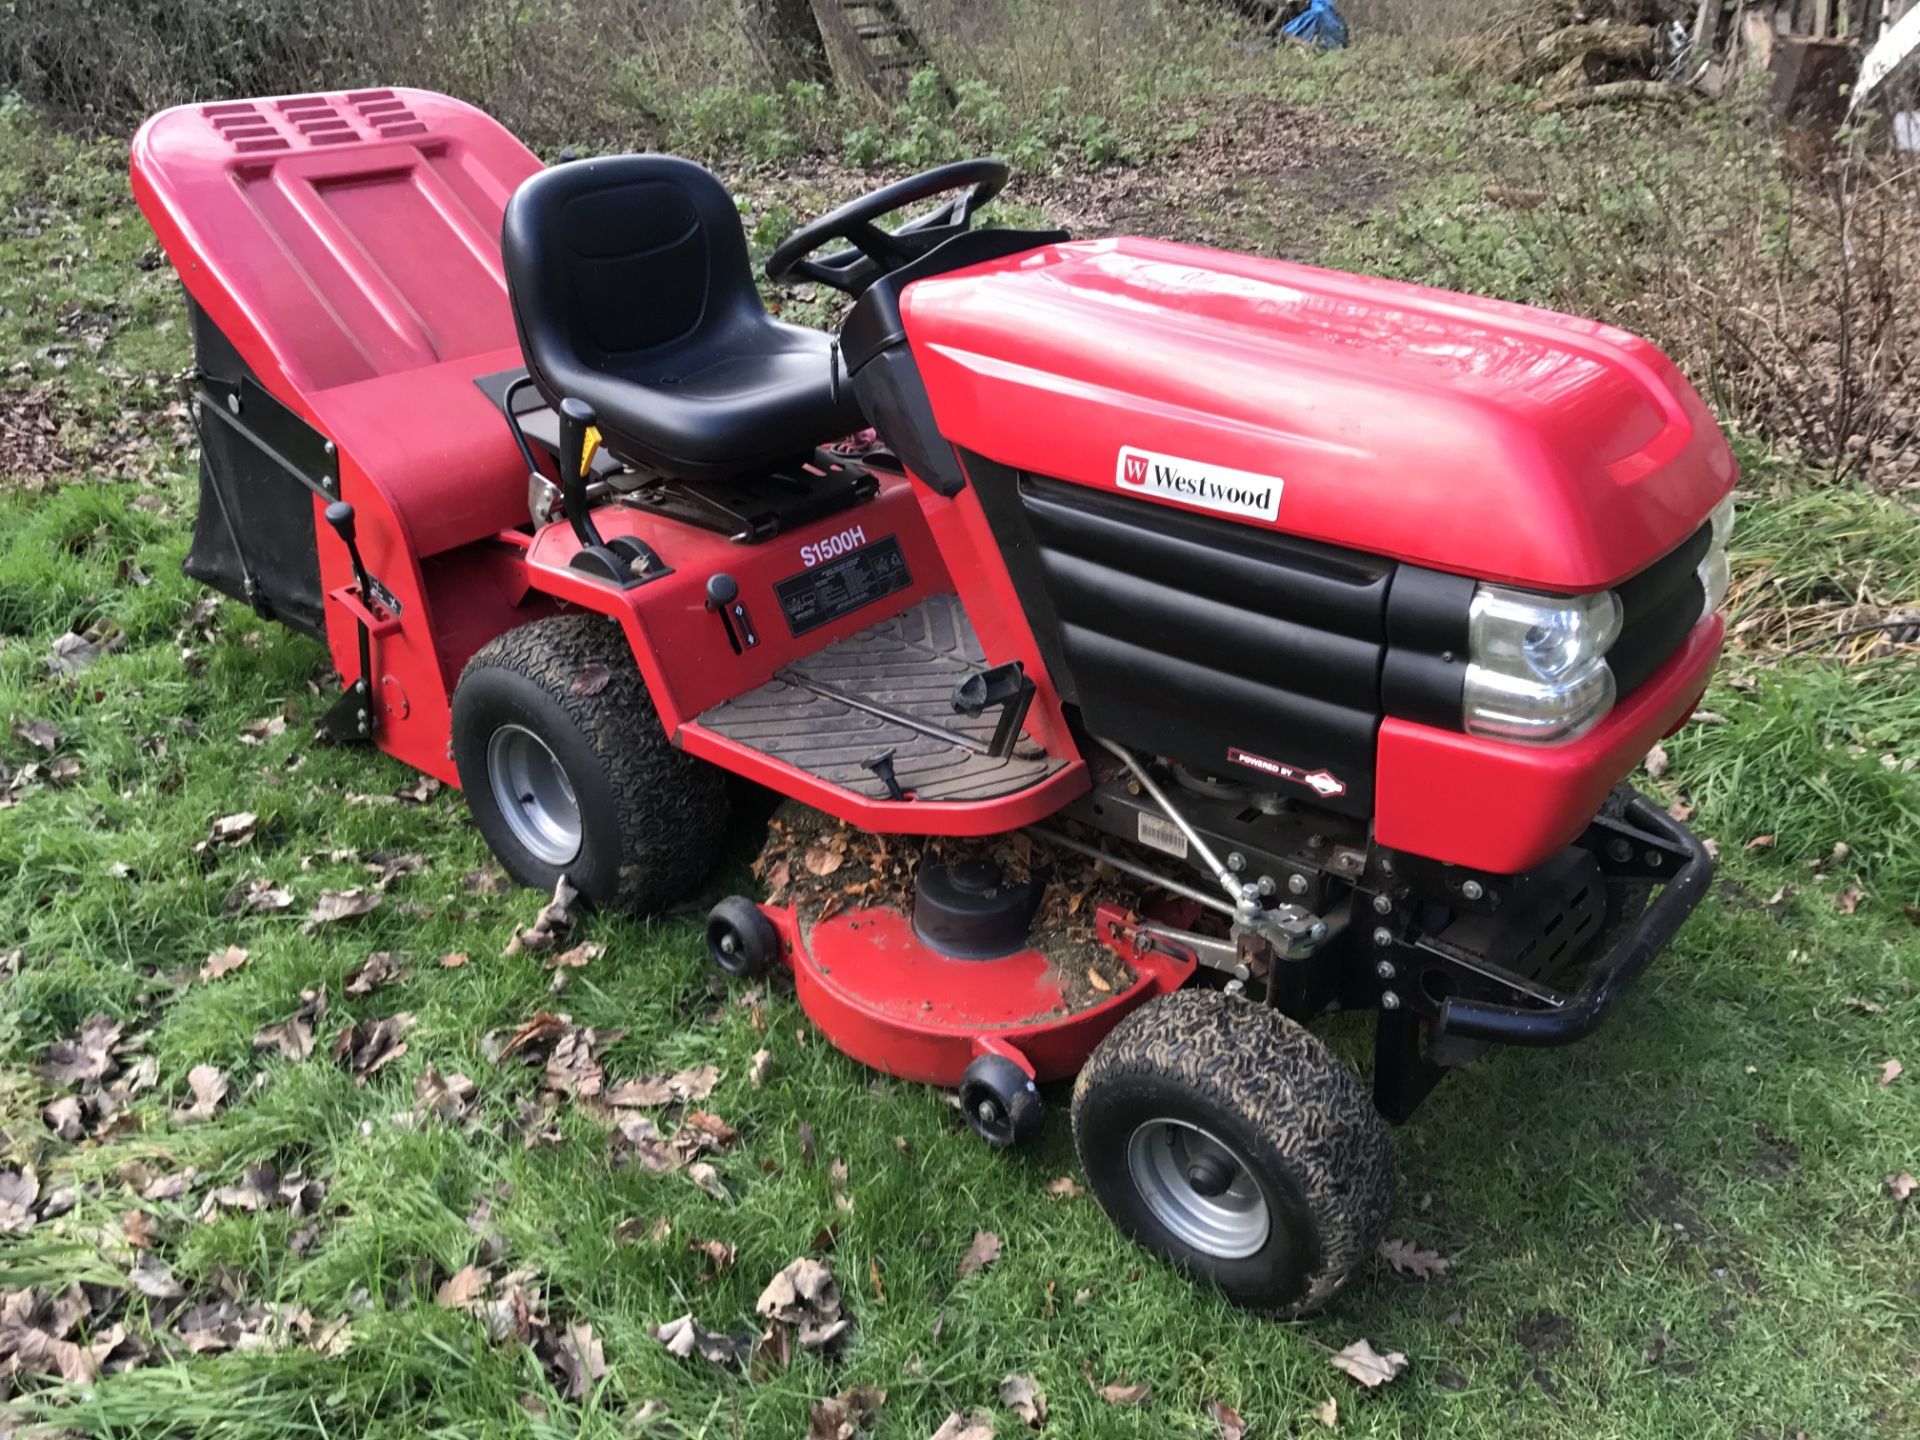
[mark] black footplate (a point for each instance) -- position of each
(875, 713)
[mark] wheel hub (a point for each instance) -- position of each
(533, 794)
(1199, 1189)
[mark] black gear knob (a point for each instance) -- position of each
(340, 517)
(722, 590)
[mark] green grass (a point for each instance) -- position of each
(1677, 1229)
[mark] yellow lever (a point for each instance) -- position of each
(588, 449)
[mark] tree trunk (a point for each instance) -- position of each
(785, 37)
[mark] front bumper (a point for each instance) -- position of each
(1644, 844)
(1502, 808)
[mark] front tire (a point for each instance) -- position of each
(568, 772)
(1225, 1137)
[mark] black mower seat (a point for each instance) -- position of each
(632, 291)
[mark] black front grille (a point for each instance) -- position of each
(1661, 605)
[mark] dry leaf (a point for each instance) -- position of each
(1065, 1188)
(88, 1054)
(1232, 1427)
(19, 1191)
(1328, 1414)
(1899, 1186)
(461, 1290)
(1657, 762)
(761, 1067)
(1408, 1259)
(984, 1250)
(1367, 1365)
(973, 1425)
(380, 968)
(1864, 1007)
(209, 1086)
(591, 680)
(1023, 1396)
(822, 862)
(334, 906)
(152, 1277)
(371, 1044)
(1681, 809)
(556, 915)
(1759, 842)
(1848, 900)
(805, 1295)
(578, 956)
(1097, 980)
(1123, 1393)
(846, 1414)
(1891, 1071)
(222, 962)
(453, 961)
(686, 1336)
(707, 1179)
(293, 1037)
(576, 1356)
(654, 1090)
(233, 829)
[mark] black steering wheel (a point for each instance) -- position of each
(875, 252)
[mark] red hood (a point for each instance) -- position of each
(1453, 432)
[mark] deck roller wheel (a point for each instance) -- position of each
(1000, 1101)
(1224, 1136)
(741, 941)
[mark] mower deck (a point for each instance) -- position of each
(891, 1001)
(889, 687)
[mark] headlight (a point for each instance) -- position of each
(1536, 664)
(1713, 571)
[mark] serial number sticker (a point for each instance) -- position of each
(839, 587)
(1162, 835)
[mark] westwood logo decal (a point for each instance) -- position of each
(1195, 482)
(1323, 783)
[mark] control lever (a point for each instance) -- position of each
(882, 767)
(351, 716)
(579, 440)
(723, 597)
(1005, 686)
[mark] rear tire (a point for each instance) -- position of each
(1223, 1136)
(566, 775)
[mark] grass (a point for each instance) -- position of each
(1676, 1229)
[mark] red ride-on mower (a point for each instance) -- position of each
(1230, 641)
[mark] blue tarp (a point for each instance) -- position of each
(1321, 25)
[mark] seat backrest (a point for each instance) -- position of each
(610, 261)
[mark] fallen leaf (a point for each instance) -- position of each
(1097, 980)
(463, 1289)
(591, 680)
(707, 1179)
(334, 906)
(718, 1251)
(209, 1086)
(1899, 1186)
(686, 1337)
(1232, 1427)
(19, 1190)
(261, 897)
(88, 1054)
(1120, 1392)
(655, 1090)
(1864, 1007)
(71, 654)
(973, 1425)
(821, 861)
(1367, 1365)
(1681, 809)
(984, 1250)
(846, 1414)
(556, 915)
(1891, 1071)
(380, 968)
(578, 956)
(806, 1296)
(43, 735)
(453, 961)
(1848, 900)
(1023, 1396)
(762, 1065)
(234, 829)
(152, 1277)
(293, 1037)
(222, 962)
(1065, 1188)
(1657, 762)
(372, 1044)
(1759, 842)
(1328, 1414)
(576, 1356)
(1408, 1259)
